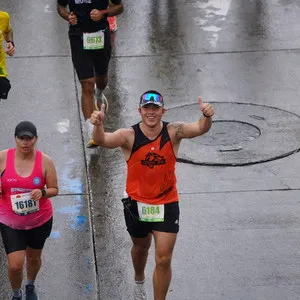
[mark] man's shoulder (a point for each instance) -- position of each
(127, 134)
(4, 15)
(172, 125)
(174, 130)
(4, 22)
(127, 131)
(63, 2)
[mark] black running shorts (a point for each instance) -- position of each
(139, 229)
(89, 63)
(17, 240)
(4, 87)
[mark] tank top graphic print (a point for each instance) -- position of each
(151, 168)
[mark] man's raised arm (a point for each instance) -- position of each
(106, 139)
(194, 129)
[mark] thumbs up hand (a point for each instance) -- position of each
(97, 117)
(206, 108)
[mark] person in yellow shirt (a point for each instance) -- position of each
(6, 33)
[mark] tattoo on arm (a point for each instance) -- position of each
(179, 130)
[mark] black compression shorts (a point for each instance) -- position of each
(140, 229)
(89, 63)
(4, 87)
(17, 240)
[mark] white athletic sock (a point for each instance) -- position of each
(30, 282)
(139, 282)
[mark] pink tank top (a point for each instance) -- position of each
(15, 187)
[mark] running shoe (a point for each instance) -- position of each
(139, 292)
(112, 21)
(30, 292)
(103, 101)
(91, 144)
(16, 298)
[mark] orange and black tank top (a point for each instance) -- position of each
(151, 168)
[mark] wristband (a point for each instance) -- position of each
(206, 115)
(44, 193)
(11, 42)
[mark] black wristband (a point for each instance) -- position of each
(44, 193)
(206, 115)
(11, 42)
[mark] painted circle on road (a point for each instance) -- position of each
(241, 134)
(227, 133)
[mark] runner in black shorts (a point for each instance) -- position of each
(89, 36)
(27, 182)
(150, 148)
(139, 229)
(17, 240)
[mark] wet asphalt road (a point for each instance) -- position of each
(239, 235)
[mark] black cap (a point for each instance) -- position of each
(4, 87)
(25, 128)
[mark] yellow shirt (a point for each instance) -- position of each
(4, 28)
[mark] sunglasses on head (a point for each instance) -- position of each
(152, 97)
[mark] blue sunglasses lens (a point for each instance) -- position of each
(152, 97)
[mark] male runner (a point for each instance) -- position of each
(6, 33)
(151, 207)
(89, 36)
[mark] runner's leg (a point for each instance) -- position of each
(83, 64)
(33, 262)
(15, 268)
(14, 242)
(101, 61)
(139, 255)
(101, 81)
(164, 245)
(36, 240)
(87, 97)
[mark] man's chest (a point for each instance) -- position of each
(88, 4)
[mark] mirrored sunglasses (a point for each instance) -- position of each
(151, 97)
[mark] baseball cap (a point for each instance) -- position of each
(25, 128)
(4, 87)
(151, 97)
